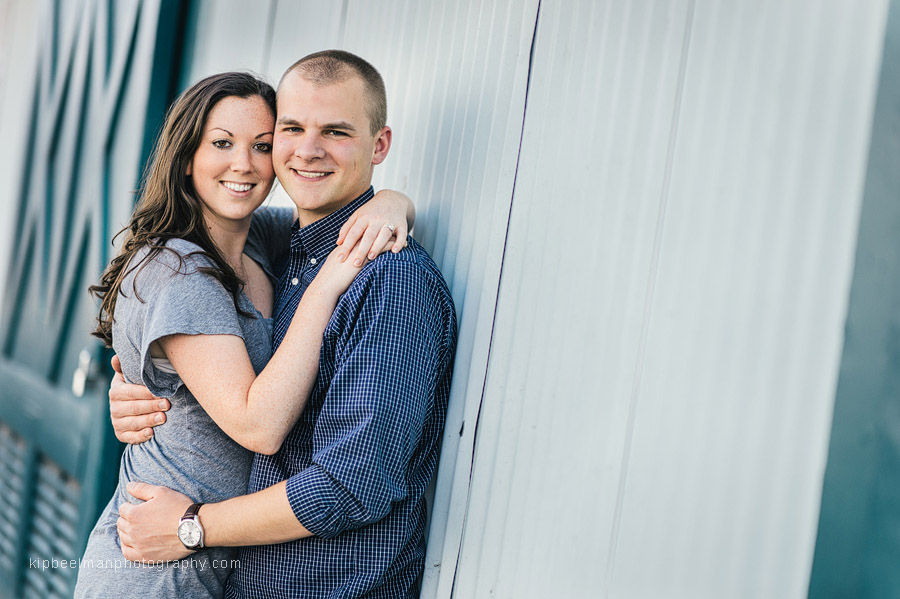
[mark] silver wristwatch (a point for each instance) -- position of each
(189, 530)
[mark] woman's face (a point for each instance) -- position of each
(232, 169)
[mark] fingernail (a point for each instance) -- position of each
(158, 419)
(341, 257)
(148, 434)
(371, 255)
(162, 404)
(357, 262)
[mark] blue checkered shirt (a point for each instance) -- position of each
(360, 458)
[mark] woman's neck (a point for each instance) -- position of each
(230, 238)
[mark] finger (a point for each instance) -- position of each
(346, 228)
(401, 233)
(134, 437)
(380, 243)
(138, 407)
(140, 490)
(124, 514)
(353, 237)
(137, 424)
(129, 392)
(116, 364)
(130, 553)
(361, 251)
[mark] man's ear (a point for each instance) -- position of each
(382, 145)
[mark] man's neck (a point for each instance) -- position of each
(308, 217)
(318, 237)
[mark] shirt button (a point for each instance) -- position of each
(313, 261)
(294, 281)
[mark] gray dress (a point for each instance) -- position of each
(189, 453)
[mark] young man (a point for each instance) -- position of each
(339, 510)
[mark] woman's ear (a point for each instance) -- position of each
(188, 172)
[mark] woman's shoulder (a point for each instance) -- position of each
(173, 255)
(272, 218)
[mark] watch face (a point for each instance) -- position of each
(189, 533)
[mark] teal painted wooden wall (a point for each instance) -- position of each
(105, 71)
(858, 545)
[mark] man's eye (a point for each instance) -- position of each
(222, 143)
(263, 147)
(292, 129)
(334, 133)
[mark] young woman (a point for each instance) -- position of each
(194, 277)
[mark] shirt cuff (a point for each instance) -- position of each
(313, 496)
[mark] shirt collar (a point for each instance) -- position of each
(319, 238)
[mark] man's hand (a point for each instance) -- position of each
(148, 532)
(134, 411)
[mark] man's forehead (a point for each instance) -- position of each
(300, 100)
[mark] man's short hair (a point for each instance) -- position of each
(335, 66)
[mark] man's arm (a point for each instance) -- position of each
(395, 346)
(148, 531)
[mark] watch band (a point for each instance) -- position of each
(192, 511)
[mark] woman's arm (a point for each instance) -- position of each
(214, 363)
(370, 224)
(259, 411)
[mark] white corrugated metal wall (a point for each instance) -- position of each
(656, 414)
(663, 350)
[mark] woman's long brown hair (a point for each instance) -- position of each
(168, 206)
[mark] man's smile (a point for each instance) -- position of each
(312, 175)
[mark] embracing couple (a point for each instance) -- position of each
(307, 353)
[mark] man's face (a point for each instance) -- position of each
(323, 149)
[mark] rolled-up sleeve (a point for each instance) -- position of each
(380, 396)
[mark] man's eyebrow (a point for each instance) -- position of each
(286, 120)
(342, 125)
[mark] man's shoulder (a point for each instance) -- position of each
(411, 264)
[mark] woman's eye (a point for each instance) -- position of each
(263, 147)
(222, 143)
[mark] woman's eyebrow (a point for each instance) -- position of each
(221, 129)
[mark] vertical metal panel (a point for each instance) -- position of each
(301, 27)
(660, 387)
(590, 177)
(456, 75)
(229, 35)
(735, 400)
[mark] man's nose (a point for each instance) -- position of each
(308, 147)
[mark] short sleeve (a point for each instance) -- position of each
(177, 299)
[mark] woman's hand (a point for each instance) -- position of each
(381, 224)
(335, 276)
